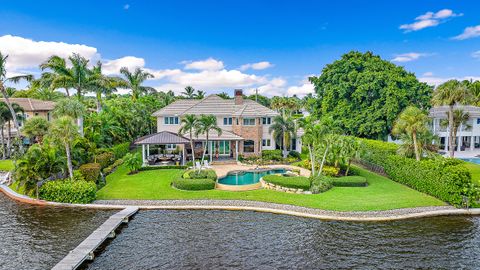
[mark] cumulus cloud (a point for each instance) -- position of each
(476, 54)
(26, 53)
(111, 67)
(301, 90)
(407, 57)
(469, 32)
(257, 66)
(207, 64)
(435, 81)
(428, 74)
(429, 19)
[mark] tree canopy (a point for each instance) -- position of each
(365, 94)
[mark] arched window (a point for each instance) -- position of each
(248, 146)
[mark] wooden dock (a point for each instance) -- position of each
(85, 251)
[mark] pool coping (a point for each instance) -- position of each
(257, 206)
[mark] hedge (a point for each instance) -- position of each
(105, 159)
(67, 191)
(111, 168)
(298, 182)
(320, 184)
(349, 181)
(200, 174)
(120, 150)
(376, 152)
(193, 184)
(152, 168)
(90, 171)
(272, 155)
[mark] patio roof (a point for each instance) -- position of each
(163, 137)
(213, 136)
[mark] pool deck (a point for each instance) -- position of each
(222, 170)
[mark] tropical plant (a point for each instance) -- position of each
(36, 128)
(207, 123)
(412, 122)
(72, 108)
(189, 124)
(283, 129)
(64, 132)
(189, 92)
(134, 81)
(3, 80)
(449, 94)
(104, 85)
(132, 161)
(224, 95)
(200, 94)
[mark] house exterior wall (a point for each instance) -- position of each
(172, 128)
(253, 133)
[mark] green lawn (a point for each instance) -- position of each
(6, 165)
(474, 171)
(381, 194)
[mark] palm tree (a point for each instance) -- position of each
(200, 94)
(65, 132)
(9, 119)
(72, 108)
(207, 123)
(4, 79)
(134, 81)
(411, 122)
(189, 92)
(103, 85)
(283, 129)
(459, 118)
(449, 94)
(189, 124)
(224, 95)
(36, 128)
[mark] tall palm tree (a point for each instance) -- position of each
(449, 94)
(189, 124)
(189, 92)
(72, 108)
(36, 128)
(4, 79)
(65, 132)
(103, 85)
(283, 129)
(200, 94)
(134, 81)
(411, 122)
(459, 118)
(207, 123)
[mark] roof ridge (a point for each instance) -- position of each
(197, 103)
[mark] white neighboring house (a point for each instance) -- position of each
(468, 136)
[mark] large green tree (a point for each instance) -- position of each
(365, 94)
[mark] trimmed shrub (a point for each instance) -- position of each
(376, 152)
(120, 150)
(320, 184)
(67, 191)
(105, 159)
(294, 154)
(330, 171)
(111, 168)
(200, 174)
(272, 155)
(193, 184)
(288, 181)
(78, 176)
(153, 168)
(446, 179)
(349, 181)
(90, 171)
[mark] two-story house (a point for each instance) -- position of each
(468, 135)
(245, 125)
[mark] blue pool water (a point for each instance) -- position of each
(246, 177)
(472, 160)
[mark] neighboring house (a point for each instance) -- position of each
(245, 125)
(31, 108)
(468, 135)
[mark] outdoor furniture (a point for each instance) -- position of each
(197, 165)
(206, 165)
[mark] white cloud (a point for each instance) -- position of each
(429, 19)
(469, 32)
(435, 81)
(126, 7)
(257, 66)
(27, 54)
(476, 54)
(428, 74)
(301, 90)
(207, 64)
(407, 57)
(274, 87)
(111, 67)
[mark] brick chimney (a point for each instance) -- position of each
(238, 96)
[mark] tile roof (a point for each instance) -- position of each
(215, 105)
(163, 137)
(32, 105)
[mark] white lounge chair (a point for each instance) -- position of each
(206, 165)
(197, 165)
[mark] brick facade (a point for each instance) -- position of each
(253, 133)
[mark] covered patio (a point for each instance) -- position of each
(163, 148)
(224, 146)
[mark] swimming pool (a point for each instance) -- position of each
(247, 177)
(472, 160)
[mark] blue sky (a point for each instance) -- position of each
(221, 45)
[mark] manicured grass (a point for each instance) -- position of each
(290, 182)
(474, 171)
(6, 165)
(381, 193)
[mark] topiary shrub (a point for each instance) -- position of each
(193, 184)
(320, 184)
(200, 174)
(105, 159)
(90, 171)
(349, 181)
(120, 150)
(275, 155)
(67, 191)
(298, 182)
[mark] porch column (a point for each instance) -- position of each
(446, 143)
(183, 155)
(211, 150)
(459, 141)
(472, 143)
(143, 154)
(148, 150)
(236, 150)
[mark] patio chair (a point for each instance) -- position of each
(206, 165)
(197, 165)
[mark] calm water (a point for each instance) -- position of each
(33, 237)
(472, 160)
(248, 240)
(246, 177)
